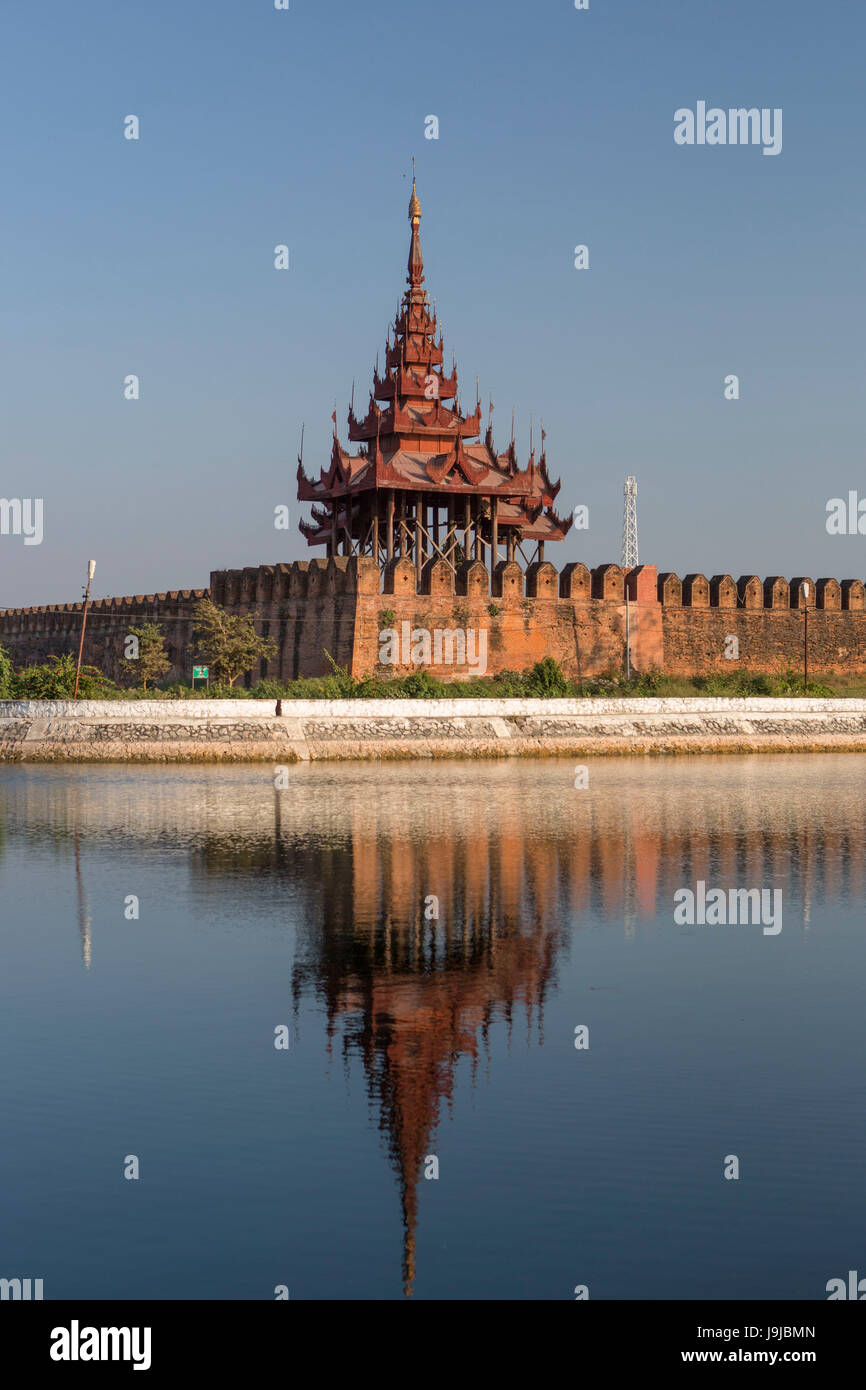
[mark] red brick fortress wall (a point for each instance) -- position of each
(31, 635)
(767, 619)
(577, 616)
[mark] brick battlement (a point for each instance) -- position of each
(576, 615)
(749, 591)
(130, 604)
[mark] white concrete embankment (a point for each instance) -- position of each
(251, 730)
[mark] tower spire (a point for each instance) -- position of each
(416, 262)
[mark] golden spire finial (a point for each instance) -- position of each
(414, 204)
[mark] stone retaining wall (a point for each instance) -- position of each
(250, 730)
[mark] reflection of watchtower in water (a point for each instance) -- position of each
(415, 953)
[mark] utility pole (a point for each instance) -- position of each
(806, 638)
(629, 555)
(91, 568)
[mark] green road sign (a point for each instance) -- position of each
(199, 673)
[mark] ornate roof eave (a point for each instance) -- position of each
(522, 486)
(306, 486)
(395, 421)
(457, 458)
(562, 525)
(412, 385)
(386, 473)
(340, 468)
(545, 527)
(314, 534)
(552, 488)
(433, 355)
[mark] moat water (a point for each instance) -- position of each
(432, 940)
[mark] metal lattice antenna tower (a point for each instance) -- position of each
(629, 524)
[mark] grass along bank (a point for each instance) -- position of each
(55, 680)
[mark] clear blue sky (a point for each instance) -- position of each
(556, 128)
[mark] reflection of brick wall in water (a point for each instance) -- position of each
(577, 616)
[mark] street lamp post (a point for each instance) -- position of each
(91, 567)
(806, 638)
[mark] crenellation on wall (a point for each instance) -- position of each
(828, 594)
(507, 582)
(399, 577)
(575, 582)
(696, 591)
(542, 580)
(437, 578)
(608, 583)
(723, 592)
(472, 580)
(776, 592)
(799, 598)
(750, 591)
(670, 589)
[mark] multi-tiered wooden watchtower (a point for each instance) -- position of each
(419, 487)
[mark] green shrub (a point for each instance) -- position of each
(56, 681)
(546, 680)
(7, 676)
(420, 685)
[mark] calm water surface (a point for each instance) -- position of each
(414, 1038)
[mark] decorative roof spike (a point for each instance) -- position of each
(488, 438)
